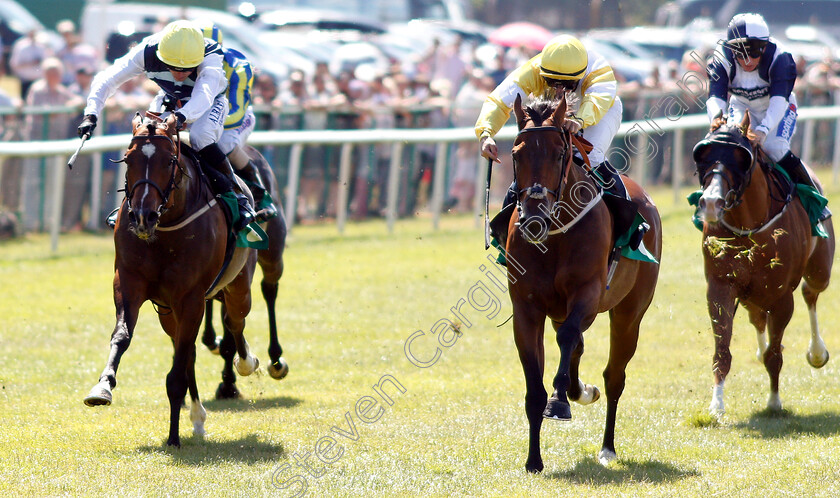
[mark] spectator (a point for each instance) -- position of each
(75, 55)
(25, 61)
(46, 92)
(466, 106)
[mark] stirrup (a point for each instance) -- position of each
(266, 213)
(111, 219)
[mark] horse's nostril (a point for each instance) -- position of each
(132, 217)
(153, 218)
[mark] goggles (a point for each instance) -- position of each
(180, 69)
(747, 49)
(566, 85)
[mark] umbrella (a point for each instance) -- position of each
(516, 34)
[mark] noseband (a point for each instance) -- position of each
(537, 191)
(173, 165)
(736, 180)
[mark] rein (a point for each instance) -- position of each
(537, 191)
(173, 165)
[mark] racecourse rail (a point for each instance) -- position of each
(641, 131)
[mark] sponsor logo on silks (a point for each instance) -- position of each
(785, 131)
(750, 93)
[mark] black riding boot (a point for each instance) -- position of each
(251, 175)
(220, 173)
(609, 178)
(797, 172)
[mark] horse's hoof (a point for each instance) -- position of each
(557, 410)
(227, 391)
(174, 442)
(100, 395)
(818, 362)
(279, 369)
(247, 366)
(534, 467)
(606, 456)
(588, 395)
(214, 347)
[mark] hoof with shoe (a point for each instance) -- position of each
(246, 366)
(227, 391)
(817, 362)
(557, 410)
(606, 456)
(278, 370)
(100, 395)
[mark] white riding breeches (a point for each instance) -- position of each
(238, 136)
(207, 129)
(601, 134)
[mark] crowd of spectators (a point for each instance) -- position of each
(443, 87)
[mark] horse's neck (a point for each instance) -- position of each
(755, 205)
(188, 189)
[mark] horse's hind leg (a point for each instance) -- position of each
(278, 368)
(528, 335)
(816, 278)
(197, 412)
(208, 338)
(227, 349)
(758, 317)
(237, 306)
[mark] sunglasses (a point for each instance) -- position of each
(566, 85)
(747, 50)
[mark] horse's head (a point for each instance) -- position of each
(725, 160)
(151, 166)
(542, 154)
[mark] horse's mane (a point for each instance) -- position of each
(541, 108)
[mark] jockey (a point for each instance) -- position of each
(240, 120)
(563, 65)
(188, 70)
(760, 77)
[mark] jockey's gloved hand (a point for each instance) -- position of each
(87, 126)
(180, 121)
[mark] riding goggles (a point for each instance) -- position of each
(747, 49)
(180, 69)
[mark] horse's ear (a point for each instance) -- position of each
(521, 118)
(745, 123)
(560, 112)
(138, 119)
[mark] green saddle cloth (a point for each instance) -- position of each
(252, 236)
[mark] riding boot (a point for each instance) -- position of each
(263, 205)
(797, 172)
(609, 178)
(220, 173)
(500, 223)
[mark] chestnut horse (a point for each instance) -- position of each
(563, 274)
(757, 247)
(170, 241)
(271, 263)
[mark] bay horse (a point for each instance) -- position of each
(170, 241)
(270, 261)
(757, 247)
(563, 274)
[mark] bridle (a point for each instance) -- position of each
(538, 191)
(174, 167)
(737, 180)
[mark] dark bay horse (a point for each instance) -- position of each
(170, 241)
(271, 263)
(757, 247)
(563, 273)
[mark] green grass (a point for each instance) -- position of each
(347, 305)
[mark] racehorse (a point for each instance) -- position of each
(563, 273)
(170, 240)
(271, 263)
(757, 246)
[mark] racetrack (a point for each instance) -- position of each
(347, 305)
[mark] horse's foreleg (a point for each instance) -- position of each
(197, 412)
(624, 337)
(127, 306)
(569, 336)
(278, 368)
(528, 335)
(186, 320)
(579, 392)
(776, 323)
(817, 354)
(721, 303)
(237, 307)
(208, 338)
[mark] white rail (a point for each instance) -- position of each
(60, 150)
